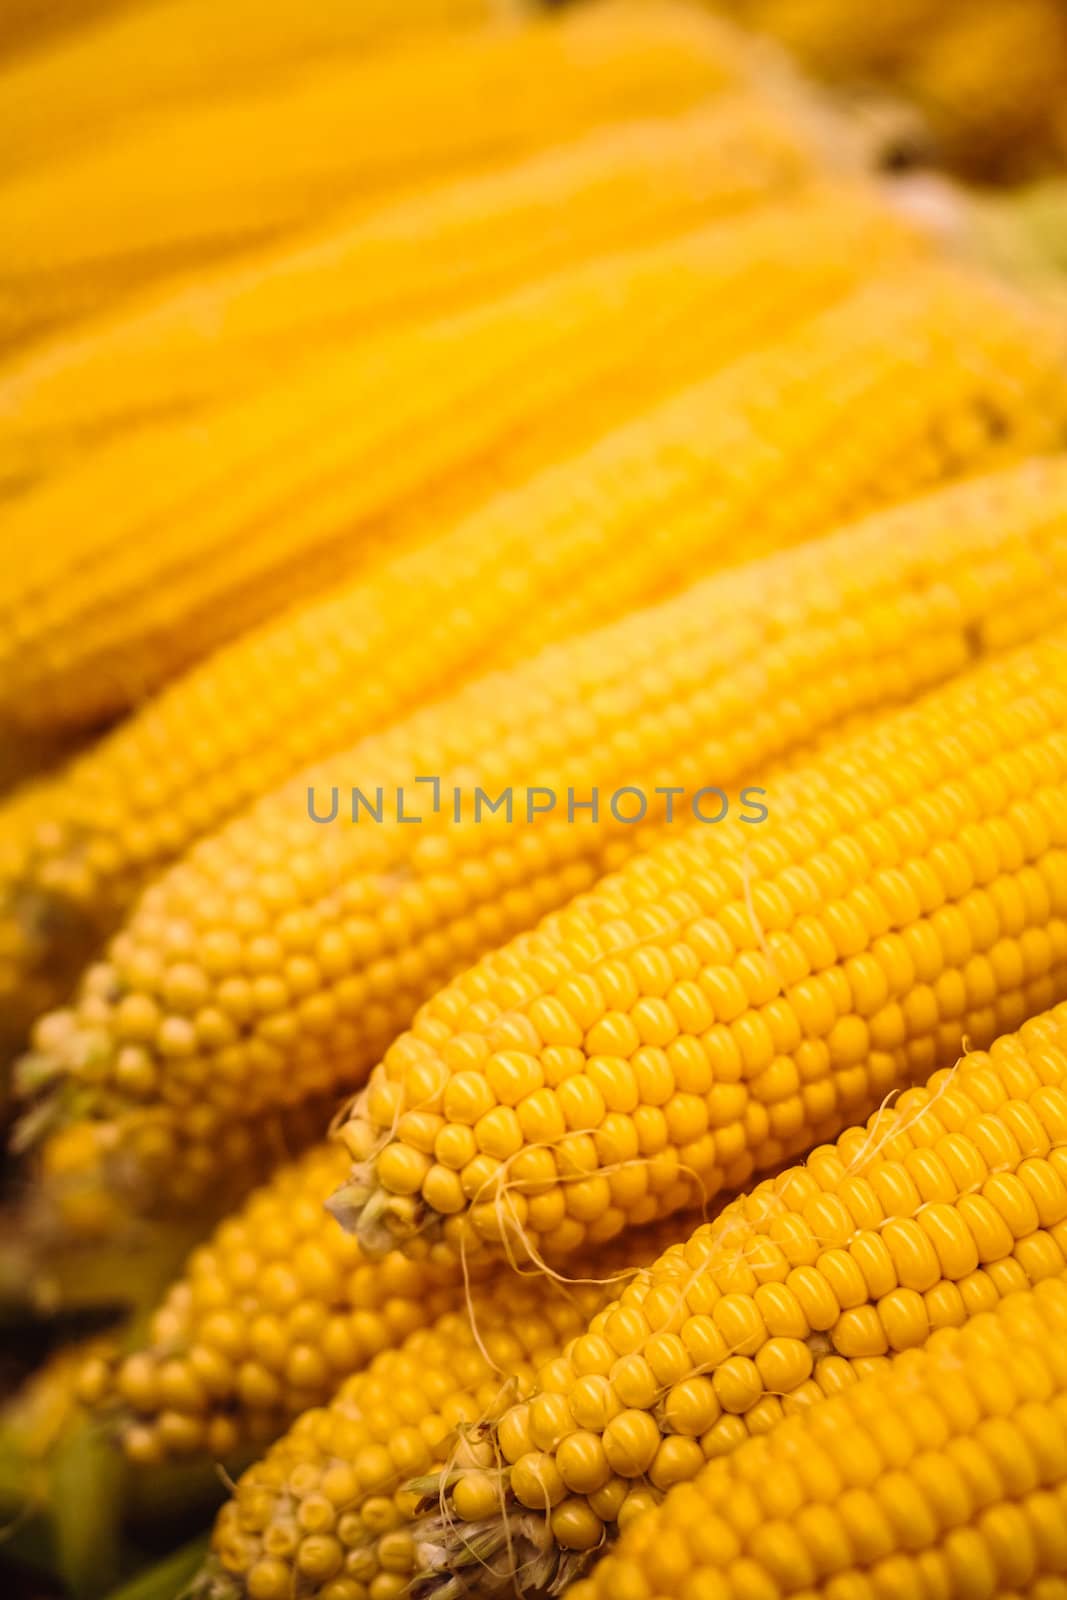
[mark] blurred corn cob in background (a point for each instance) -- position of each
(297, 484)
(951, 1199)
(278, 961)
(183, 187)
(236, 327)
(133, 60)
(43, 1454)
(827, 37)
(988, 75)
(74, 1512)
(991, 79)
(731, 997)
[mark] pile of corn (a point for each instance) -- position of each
(533, 803)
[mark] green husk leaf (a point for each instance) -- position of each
(168, 1578)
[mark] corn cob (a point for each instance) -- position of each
(443, 249)
(190, 186)
(945, 1475)
(723, 1001)
(954, 1197)
(128, 65)
(266, 1319)
(283, 493)
(336, 1480)
(986, 384)
(830, 38)
(992, 1136)
(990, 78)
(191, 1029)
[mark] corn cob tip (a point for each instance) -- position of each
(52, 899)
(456, 1561)
(380, 1221)
(52, 1080)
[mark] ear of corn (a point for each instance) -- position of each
(990, 79)
(945, 1475)
(266, 1319)
(949, 1200)
(324, 1502)
(290, 489)
(436, 252)
(127, 66)
(737, 993)
(279, 959)
(187, 187)
(987, 78)
(940, 376)
(828, 36)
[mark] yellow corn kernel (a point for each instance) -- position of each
(231, 986)
(931, 845)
